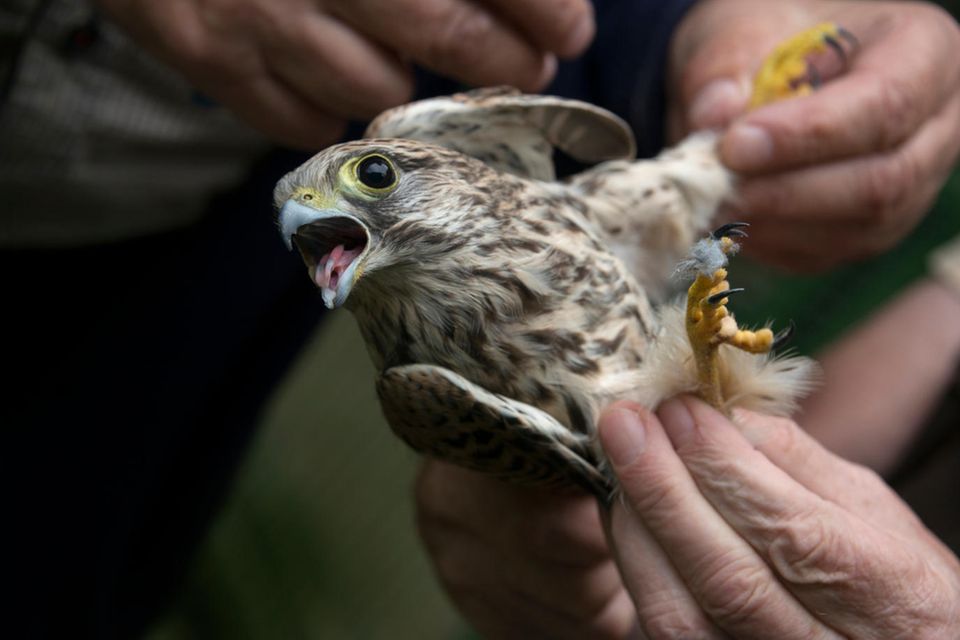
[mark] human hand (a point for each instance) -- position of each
(297, 69)
(521, 562)
(846, 172)
(762, 533)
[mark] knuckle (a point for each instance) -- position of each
(587, 608)
(656, 496)
(615, 620)
(785, 437)
(887, 183)
(567, 15)
(867, 479)
(898, 104)
(735, 590)
(805, 551)
(768, 196)
(195, 50)
(569, 533)
(823, 128)
(611, 628)
(670, 623)
(463, 38)
(593, 592)
(226, 16)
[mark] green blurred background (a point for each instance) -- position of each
(317, 539)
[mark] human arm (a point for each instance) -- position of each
(882, 380)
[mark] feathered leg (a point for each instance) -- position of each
(709, 323)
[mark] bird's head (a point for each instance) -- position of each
(370, 206)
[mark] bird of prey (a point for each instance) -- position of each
(505, 308)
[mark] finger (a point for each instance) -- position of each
(502, 619)
(808, 248)
(875, 188)
(814, 218)
(898, 78)
(336, 68)
(664, 605)
(735, 588)
(712, 69)
(828, 558)
(563, 27)
(233, 75)
(853, 487)
(273, 108)
(454, 38)
(566, 531)
(515, 585)
(559, 528)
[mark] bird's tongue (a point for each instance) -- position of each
(332, 265)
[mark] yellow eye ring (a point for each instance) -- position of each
(375, 173)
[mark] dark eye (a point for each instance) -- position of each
(376, 172)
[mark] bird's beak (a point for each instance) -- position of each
(332, 244)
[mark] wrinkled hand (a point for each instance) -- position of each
(765, 534)
(844, 173)
(520, 562)
(297, 69)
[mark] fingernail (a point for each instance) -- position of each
(547, 72)
(717, 104)
(747, 147)
(676, 419)
(623, 436)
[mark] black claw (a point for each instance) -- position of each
(783, 336)
(849, 37)
(717, 297)
(814, 77)
(837, 48)
(731, 230)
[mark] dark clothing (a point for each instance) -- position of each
(136, 372)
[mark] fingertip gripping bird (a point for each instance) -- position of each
(504, 308)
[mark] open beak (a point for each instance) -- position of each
(332, 245)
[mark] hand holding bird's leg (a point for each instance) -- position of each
(709, 322)
(788, 71)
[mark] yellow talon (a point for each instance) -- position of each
(710, 324)
(786, 72)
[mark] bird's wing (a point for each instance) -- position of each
(511, 131)
(442, 414)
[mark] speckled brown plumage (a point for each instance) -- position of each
(502, 307)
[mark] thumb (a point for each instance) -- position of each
(714, 56)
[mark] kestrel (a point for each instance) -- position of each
(504, 308)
